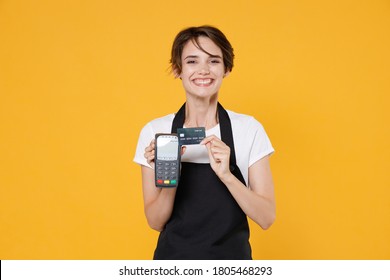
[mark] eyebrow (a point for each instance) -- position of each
(196, 56)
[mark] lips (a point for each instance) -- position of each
(203, 82)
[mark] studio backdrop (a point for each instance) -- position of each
(79, 79)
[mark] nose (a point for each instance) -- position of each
(204, 69)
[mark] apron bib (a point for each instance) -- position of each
(206, 221)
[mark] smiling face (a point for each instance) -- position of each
(202, 73)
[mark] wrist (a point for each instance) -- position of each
(227, 178)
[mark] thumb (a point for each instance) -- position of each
(183, 149)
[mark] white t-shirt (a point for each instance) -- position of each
(251, 142)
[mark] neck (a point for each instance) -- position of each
(201, 112)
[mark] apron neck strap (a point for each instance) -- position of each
(224, 124)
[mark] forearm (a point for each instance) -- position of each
(159, 210)
(257, 207)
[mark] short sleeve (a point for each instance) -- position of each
(144, 140)
(261, 145)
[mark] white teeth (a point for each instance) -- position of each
(202, 81)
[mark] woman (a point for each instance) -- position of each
(224, 179)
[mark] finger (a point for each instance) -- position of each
(150, 148)
(219, 147)
(183, 149)
(220, 158)
(211, 156)
(147, 155)
(149, 151)
(208, 139)
(150, 158)
(219, 150)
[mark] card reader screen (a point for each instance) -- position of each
(167, 147)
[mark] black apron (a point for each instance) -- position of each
(206, 222)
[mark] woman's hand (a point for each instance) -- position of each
(219, 155)
(149, 153)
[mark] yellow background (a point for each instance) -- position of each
(79, 79)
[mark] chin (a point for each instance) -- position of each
(203, 94)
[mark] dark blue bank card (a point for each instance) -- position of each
(191, 136)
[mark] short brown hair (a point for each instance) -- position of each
(193, 33)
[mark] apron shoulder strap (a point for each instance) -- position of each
(178, 121)
(227, 134)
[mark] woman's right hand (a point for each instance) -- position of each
(149, 153)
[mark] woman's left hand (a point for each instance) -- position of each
(219, 155)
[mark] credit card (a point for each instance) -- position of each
(191, 136)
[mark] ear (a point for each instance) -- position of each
(176, 73)
(226, 74)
